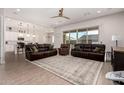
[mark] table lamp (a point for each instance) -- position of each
(115, 38)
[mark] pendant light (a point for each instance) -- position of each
(28, 35)
(20, 30)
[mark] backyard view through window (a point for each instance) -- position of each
(88, 35)
(73, 37)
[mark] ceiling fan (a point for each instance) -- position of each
(61, 14)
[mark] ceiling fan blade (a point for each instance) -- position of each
(65, 17)
(61, 14)
(54, 16)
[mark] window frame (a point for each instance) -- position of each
(78, 30)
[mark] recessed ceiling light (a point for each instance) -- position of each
(8, 19)
(18, 10)
(28, 35)
(33, 36)
(98, 12)
(20, 34)
(87, 14)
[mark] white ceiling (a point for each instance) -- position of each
(42, 15)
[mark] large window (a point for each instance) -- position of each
(73, 37)
(66, 38)
(93, 36)
(82, 35)
(87, 35)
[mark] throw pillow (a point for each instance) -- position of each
(51, 47)
(97, 50)
(34, 49)
(30, 49)
(77, 48)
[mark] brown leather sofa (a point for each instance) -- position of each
(64, 49)
(39, 51)
(89, 51)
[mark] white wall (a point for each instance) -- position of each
(2, 52)
(2, 56)
(50, 38)
(109, 25)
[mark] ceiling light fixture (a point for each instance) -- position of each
(98, 11)
(18, 10)
(33, 36)
(8, 19)
(87, 14)
(60, 18)
(28, 35)
(20, 35)
(60, 15)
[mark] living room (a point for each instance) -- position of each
(64, 45)
(61, 46)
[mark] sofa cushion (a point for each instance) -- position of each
(78, 47)
(87, 49)
(40, 45)
(92, 53)
(48, 46)
(98, 50)
(87, 45)
(65, 45)
(98, 45)
(42, 49)
(37, 53)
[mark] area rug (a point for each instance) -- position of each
(73, 69)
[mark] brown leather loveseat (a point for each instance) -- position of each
(89, 51)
